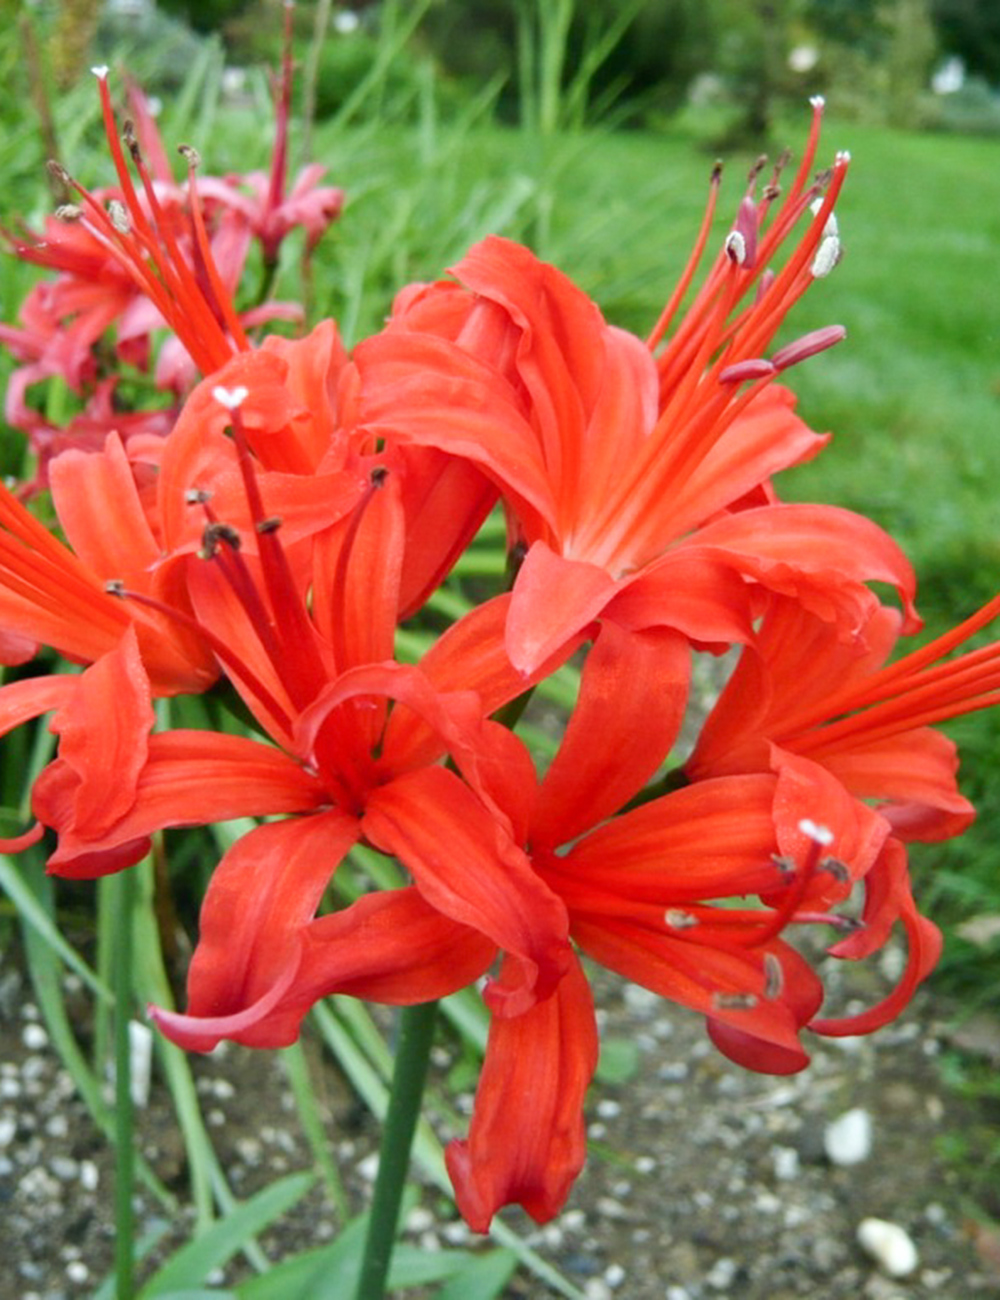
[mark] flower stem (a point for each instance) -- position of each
(124, 1134)
(416, 1035)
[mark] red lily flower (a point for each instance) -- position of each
(633, 477)
(319, 678)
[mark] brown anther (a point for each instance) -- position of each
(213, 535)
(115, 587)
(190, 154)
(58, 172)
(757, 168)
(774, 977)
(378, 476)
(846, 924)
(269, 525)
(716, 176)
(784, 864)
(131, 143)
(734, 1001)
(771, 192)
(839, 870)
(69, 212)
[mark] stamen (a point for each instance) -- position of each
(734, 1001)
(69, 212)
(815, 832)
(809, 345)
(774, 977)
(677, 919)
(231, 398)
(736, 247)
(839, 870)
(118, 216)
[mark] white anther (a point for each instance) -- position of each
(831, 227)
(677, 919)
(818, 834)
(101, 71)
(118, 216)
(843, 157)
(231, 398)
(827, 256)
(817, 101)
(736, 247)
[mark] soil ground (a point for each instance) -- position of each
(702, 1180)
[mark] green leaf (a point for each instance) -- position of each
(483, 1279)
(192, 1263)
(618, 1061)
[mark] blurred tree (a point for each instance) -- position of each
(970, 29)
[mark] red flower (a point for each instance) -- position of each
(638, 484)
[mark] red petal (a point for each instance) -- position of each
(553, 600)
(632, 698)
(104, 737)
(466, 865)
(261, 896)
(191, 778)
(527, 1141)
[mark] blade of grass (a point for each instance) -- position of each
(297, 1072)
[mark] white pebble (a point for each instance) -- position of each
(786, 1163)
(34, 1037)
(89, 1175)
(889, 1245)
(77, 1271)
(419, 1219)
(722, 1274)
(677, 1293)
(848, 1139)
(8, 1127)
(368, 1167)
(608, 1109)
(614, 1275)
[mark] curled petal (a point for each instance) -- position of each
(527, 1141)
(466, 865)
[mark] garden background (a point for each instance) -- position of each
(587, 131)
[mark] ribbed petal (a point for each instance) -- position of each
(527, 1140)
(821, 555)
(553, 600)
(713, 839)
(103, 731)
(465, 864)
(631, 704)
(191, 778)
(386, 947)
(261, 897)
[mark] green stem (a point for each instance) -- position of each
(124, 1132)
(416, 1035)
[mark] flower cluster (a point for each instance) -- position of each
(304, 503)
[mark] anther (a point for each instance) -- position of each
(190, 154)
(100, 72)
(784, 864)
(809, 345)
(58, 172)
(128, 135)
(771, 192)
(69, 212)
(815, 832)
(756, 368)
(378, 476)
(270, 525)
(716, 176)
(827, 256)
(197, 496)
(231, 398)
(115, 587)
(118, 216)
(817, 102)
(677, 919)
(213, 535)
(736, 248)
(838, 869)
(774, 977)
(734, 1001)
